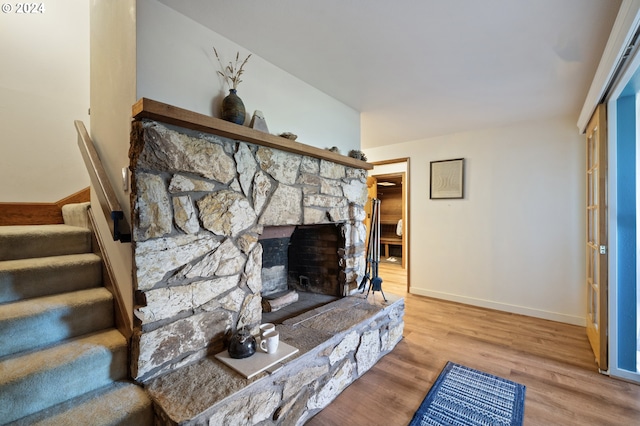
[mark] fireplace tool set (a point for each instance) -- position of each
(373, 253)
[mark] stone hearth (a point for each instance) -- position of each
(338, 343)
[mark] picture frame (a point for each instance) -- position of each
(446, 179)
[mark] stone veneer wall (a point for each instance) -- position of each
(199, 204)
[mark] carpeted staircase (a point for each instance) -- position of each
(62, 362)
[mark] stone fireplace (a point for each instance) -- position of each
(200, 204)
(223, 216)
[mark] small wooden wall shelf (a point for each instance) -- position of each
(154, 110)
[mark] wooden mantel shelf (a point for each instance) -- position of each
(158, 111)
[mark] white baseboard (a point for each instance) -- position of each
(515, 309)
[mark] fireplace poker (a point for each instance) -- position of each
(373, 257)
(369, 254)
(369, 260)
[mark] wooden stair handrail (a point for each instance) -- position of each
(100, 181)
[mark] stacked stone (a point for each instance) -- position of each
(338, 343)
(199, 205)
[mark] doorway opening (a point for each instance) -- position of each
(625, 298)
(389, 182)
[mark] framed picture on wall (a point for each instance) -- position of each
(447, 179)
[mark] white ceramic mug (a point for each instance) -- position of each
(266, 328)
(269, 342)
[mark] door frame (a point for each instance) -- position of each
(406, 215)
(403, 178)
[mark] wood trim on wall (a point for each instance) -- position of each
(39, 213)
(392, 161)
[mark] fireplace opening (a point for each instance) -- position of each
(301, 269)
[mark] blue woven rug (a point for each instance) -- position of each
(464, 396)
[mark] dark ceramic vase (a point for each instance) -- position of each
(233, 108)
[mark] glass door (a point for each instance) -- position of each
(624, 131)
(597, 279)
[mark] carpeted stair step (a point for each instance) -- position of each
(44, 276)
(121, 403)
(40, 380)
(21, 242)
(42, 321)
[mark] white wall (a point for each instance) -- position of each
(113, 68)
(44, 87)
(176, 65)
(516, 241)
(141, 48)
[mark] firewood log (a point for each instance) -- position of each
(272, 305)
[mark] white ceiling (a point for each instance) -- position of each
(422, 68)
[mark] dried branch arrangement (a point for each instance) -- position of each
(232, 72)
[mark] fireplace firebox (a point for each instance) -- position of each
(303, 258)
(314, 261)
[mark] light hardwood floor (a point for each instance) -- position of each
(553, 360)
